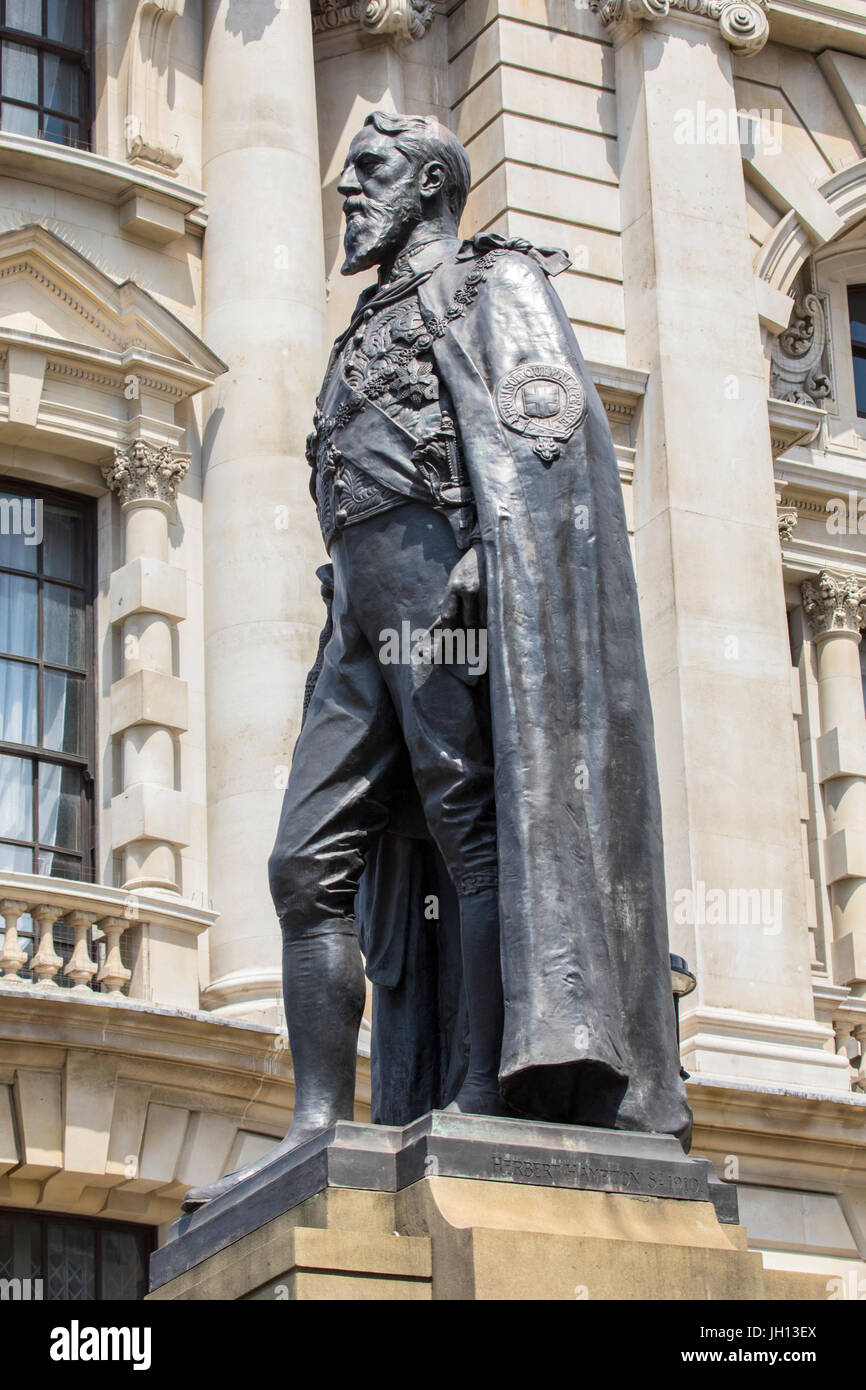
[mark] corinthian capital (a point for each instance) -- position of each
(743, 23)
(145, 473)
(834, 603)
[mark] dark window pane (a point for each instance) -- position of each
(71, 1249)
(17, 702)
(16, 799)
(860, 384)
(20, 73)
(15, 858)
(20, 530)
(24, 14)
(65, 22)
(71, 1273)
(19, 625)
(55, 633)
(63, 714)
(19, 120)
(59, 866)
(857, 313)
(63, 548)
(64, 625)
(124, 1274)
(60, 79)
(20, 1247)
(59, 130)
(59, 806)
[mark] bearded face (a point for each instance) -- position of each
(382, 203)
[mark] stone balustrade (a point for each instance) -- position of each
(845, 1011)
(123, 944)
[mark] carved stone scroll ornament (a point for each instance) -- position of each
(145, 473)
(147, 141)
(800, 362)
(743, 23)
(787, 519)
(406, 19)
(834, 603)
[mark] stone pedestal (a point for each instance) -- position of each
(460, 1207)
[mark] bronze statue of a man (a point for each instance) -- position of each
(486, 830)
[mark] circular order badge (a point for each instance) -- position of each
(543, 401)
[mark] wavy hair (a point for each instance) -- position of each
(422, 138)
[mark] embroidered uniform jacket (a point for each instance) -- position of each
(589, 1020)
(384, 421)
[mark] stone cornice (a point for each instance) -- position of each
(743, 23)
(621, 388)
(96, 176)
(793, 424)
(89, 332)
(814, 1134)
(819, 24)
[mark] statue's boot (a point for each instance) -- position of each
(482, 974)
(323, 987)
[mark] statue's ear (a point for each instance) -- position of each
(432, 178)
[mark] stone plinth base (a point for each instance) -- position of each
(550, 1212)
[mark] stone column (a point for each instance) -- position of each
(835, 608)
(707, 552)
(264, 313)
(150, 818)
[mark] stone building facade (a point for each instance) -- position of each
(169, 252)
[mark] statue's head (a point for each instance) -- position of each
(400, 171)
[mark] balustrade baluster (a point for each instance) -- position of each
(12, 957)
(114, 974)
(46, 962)
(80, 968)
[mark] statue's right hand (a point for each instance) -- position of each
(465, 596)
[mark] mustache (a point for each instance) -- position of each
(356, 204)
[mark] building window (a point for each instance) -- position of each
(857, 317)
(45, 69)
(46, 683)
(65, 1259)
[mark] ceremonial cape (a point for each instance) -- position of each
(589, 1033)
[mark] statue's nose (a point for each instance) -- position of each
(348, 184)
